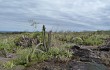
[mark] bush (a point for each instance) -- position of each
(7, 44)
(93, 40)
(33, 54)
(29, 55)
(23, 56)
(56, 52)
(77, 40)
(8, 65)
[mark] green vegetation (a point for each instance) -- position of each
(84, 38)
(8, 65)
(30, 47)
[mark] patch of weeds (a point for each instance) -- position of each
(9, 65)
(28, 55)
(24, 56)
(77, 40)
(7, 44)
(93, 40)
(55, 52)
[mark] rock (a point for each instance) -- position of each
(91, 55)
(26, 41)
(70, 65)
(82, 53)
(75, 47)
(85, 66)
(104, 48)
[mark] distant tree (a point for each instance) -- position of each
(34, 24)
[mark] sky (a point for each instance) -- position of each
(56, 15)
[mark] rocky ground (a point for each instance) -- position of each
(85, 58)
(71, 65)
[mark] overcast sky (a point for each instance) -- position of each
(74, 15)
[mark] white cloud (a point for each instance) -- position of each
(87, 13)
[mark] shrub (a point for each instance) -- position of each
(7, 44)
(8, 65)
(55, 52)
(23, 56)
(30, 54)
(77, 40)
(93, 40)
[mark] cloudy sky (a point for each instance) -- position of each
(74, 15)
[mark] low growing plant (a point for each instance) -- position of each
(56, 52)
(9, 65)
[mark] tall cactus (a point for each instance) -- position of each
(49, 39)
(44, 38)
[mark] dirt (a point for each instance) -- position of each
(70, 65)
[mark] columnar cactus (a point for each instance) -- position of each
(44, 38)
(49, 39)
